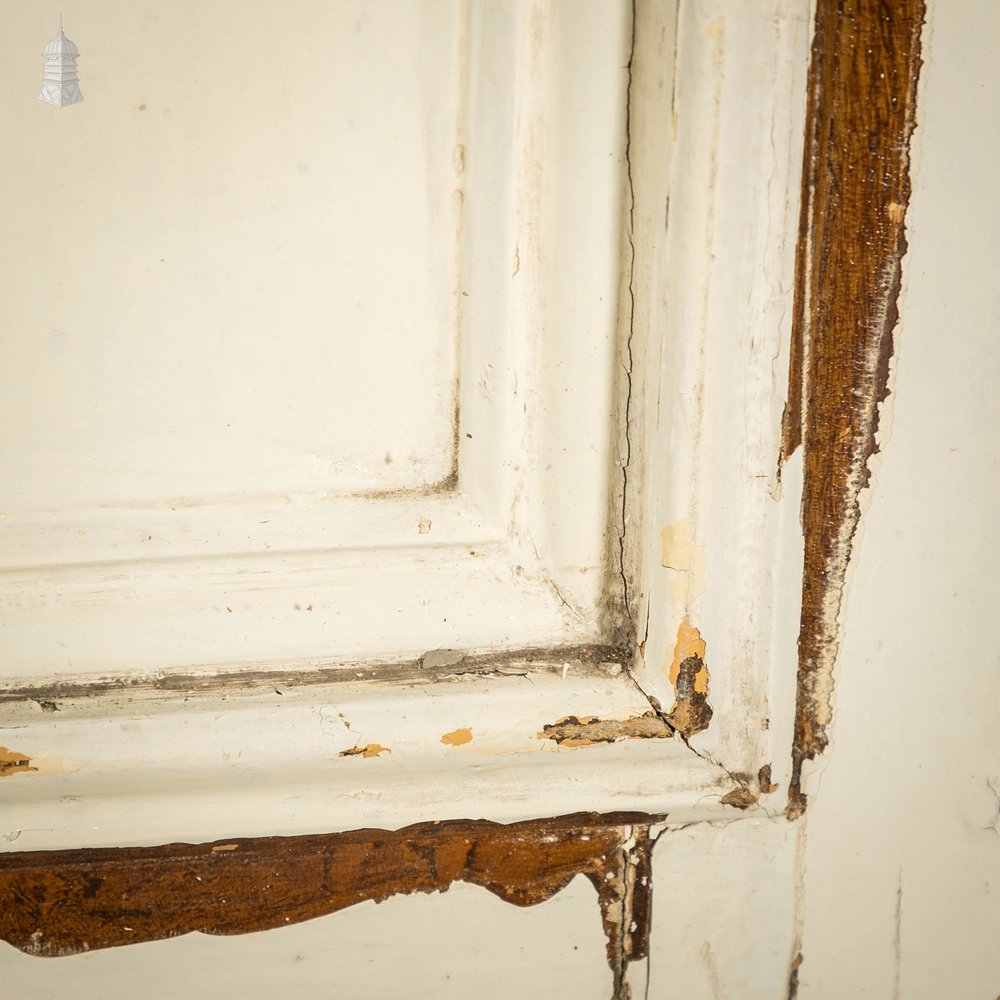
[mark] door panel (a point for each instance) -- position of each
(310, 351)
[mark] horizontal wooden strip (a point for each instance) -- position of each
(63, 902)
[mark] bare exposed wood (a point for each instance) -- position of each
(63, 902)
(575, 732)
(855, 190)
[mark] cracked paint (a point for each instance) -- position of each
(793, 976)
(624, 416)
(680, 552)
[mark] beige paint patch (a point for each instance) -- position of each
(52, 763)
(689, 643)
(12, 762)
(688, 673)
(457, 737)
(680, 552)
(369, 750)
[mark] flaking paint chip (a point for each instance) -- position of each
(457, 737)
(369, 750)
(688, 673)
(12, 762)
(574, 731)
(740, 798)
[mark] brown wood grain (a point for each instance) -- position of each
(56, 903)
(861, 111)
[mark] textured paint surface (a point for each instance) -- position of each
(717, 166)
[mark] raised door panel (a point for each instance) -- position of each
(309, 348)
(495, 299)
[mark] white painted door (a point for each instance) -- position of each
(359, 397)
(378, 379)
(343, 414)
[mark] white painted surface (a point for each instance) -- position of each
(199, 258)
(288, 271)
(160, 767)
(714, 314)
(723, 911)
(524, 552)
(902, 868)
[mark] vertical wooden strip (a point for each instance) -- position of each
(855, 189)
